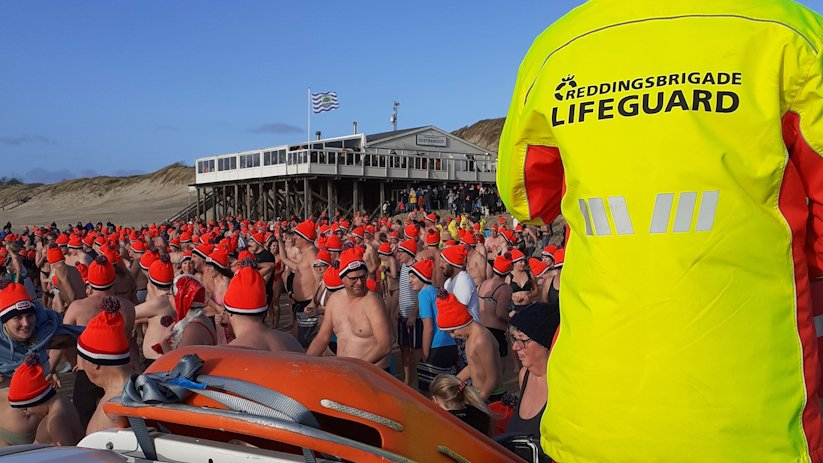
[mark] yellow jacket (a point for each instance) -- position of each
(660, 129)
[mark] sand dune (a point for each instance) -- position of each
(134, 200)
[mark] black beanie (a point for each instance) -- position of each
(538, 321)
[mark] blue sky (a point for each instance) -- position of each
(118, 87)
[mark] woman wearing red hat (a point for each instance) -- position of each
(523, 284)
(27, 327)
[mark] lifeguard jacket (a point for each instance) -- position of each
(681, 141)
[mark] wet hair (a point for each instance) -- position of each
(455, 393)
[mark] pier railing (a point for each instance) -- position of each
(376, 163)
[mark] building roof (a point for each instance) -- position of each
(394, 133)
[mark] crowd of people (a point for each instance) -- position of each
(465, 198)
(455, 296)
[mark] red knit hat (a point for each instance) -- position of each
(411, 231)
(323, 257)
(104, 341)
(503, 264)
(175, 243)
(384, 249)
(517, 256)
(394, 236)
(469, 238)
(62, 240)
(345, 224)
(100, 240)
(246, 294)
(244, 254)
(451, 313)
(334, 244)
(359, 232)
(148, 258)
(559, 257)
(185, 237)
(424, 270)
(28, 386)
(14, 301)
(258, 238)
(219, 257)
(138, 246)
(431, 218)
(161, 272)
(101, 273)
(306, 231)
(433, 238)
(370, 230)
(409, 246)
(186, 256)
(537, 266)
(454, 256)
(75, 242)
(549, 250)
(89, 240)
(508, 235)
(54, 255)
(203, 250)
(351, 259)
(331, 278)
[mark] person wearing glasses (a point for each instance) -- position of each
(532, 330)
(356, 316)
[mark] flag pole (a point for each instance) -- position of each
(308, 123)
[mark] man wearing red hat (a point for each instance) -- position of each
(69, 281)
(101, 280)
(157, 313)
(484, 367)
(246, 306)
(30, 391)
(75, 252)
(304, 282)
(458, 281)
(409, 324)
(356, 316)
(103, 354)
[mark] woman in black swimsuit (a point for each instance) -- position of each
(523, 284)
(532, 331)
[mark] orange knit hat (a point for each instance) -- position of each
(161, 272)
(451, 313)
(104, 341)
(538, 267)
(101, 274)
(503, 264)
(454, 256)
(54, 255)
(306, 230)
(424, 270)
(409, 246)
(219, 257)
(14, 301)
(246, 294)
(351, 259)
(28, 386)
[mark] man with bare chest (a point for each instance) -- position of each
(356, 316)
(157, 312)
(69, 280)
(75, 254)
(81, 312)
(304, 281)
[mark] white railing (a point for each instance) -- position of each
(375, 163)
